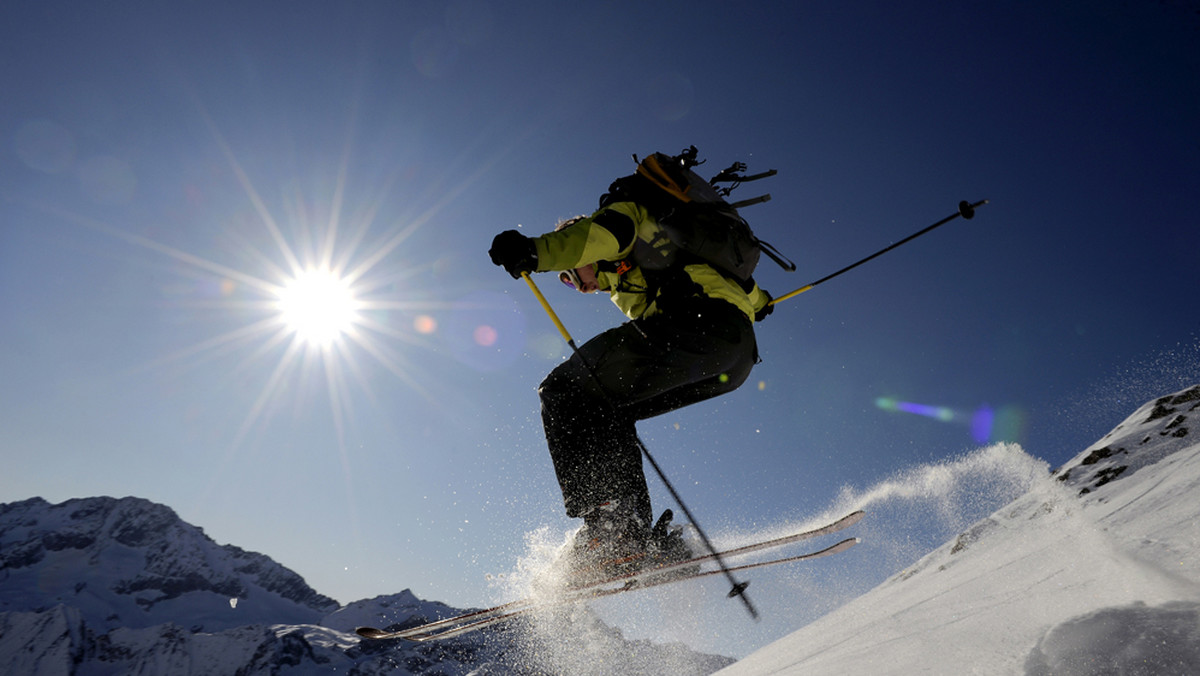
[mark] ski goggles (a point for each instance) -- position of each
(571, 279)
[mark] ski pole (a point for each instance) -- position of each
(550, 311)
(965, 209)
(739, 588)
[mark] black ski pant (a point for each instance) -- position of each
(698, 349)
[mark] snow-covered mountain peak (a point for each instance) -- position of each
(130, 562)
(1153, 432)
(394, 610)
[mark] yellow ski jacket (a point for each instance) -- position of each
(610, 234)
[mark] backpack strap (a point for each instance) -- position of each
(658, 169)
(775, 255)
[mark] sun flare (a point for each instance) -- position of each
(315, 293)
(318, 306)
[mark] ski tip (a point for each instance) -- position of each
(852, 518)
(370, 632)
(845, 544)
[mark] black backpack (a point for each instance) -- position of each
(696, 220)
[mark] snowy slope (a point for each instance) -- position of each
(1093, 571)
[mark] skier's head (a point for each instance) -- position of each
(582, 279)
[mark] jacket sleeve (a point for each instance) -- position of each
(606, 235)
(759, 300)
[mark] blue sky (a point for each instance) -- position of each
(166, 166)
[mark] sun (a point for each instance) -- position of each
(318, 306)
(312, 297)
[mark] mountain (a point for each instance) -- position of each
(124, 586)
(1093, 571)
(132, 563)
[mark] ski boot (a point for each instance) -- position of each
(612, 542)
(667, 547)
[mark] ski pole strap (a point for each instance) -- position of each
(777, 256)
(549, 310)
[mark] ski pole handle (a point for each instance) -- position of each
(791, 294)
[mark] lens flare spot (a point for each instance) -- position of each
(985, 424)
(485, 335)
(981, 424)
(936, 412)
(1009, 425)
(424, 324)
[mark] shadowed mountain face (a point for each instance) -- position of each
(134, 563)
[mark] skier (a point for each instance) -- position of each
(690, 337)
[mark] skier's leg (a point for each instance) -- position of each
(710, 350)
(701, 349)
(592, 441)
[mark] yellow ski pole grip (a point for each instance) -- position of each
(790, 294)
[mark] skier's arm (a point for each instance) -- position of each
(606, 235)
(760, 300)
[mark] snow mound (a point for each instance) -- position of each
(1132, 640)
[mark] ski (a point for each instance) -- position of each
(629, 580)
(655, 571)
(460, 629)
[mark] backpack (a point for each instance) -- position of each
(695, 219)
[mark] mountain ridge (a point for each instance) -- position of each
(140, 558)
(123, 585)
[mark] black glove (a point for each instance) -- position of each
(766, 309)
(514, 252)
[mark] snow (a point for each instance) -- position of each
(1084, 574)
(1091, 569)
